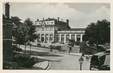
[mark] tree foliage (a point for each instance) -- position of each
(31, 30)
(18, 30)
(95, 34)
(98, 33)
(23, 32)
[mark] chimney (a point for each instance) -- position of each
(67, 21)
(7, 10)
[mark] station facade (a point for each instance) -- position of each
(58, 31)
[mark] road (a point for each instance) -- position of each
(69, 62)
(61, 61)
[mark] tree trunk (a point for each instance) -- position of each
(30, 50)
(25, 48)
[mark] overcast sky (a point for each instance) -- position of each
(79, 14)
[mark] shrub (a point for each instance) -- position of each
(24, 61)
(58, 48)
(77, 43)
(10, 65)
(55, 47)
(100, 48)
(15, 48)
(87, 49)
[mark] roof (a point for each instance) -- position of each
(74, 29)
(52, 19)
(42, 25)
(49, 19)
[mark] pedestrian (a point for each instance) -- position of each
(81, 59)
(70, 48)
(83, 56)
(87, 58)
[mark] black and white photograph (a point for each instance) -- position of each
(56, 36)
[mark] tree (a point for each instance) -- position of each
(16, 20)
(31, 36)
(20, 31)
(16, 31)
(103, 31)
(23, 32)
(98, 33)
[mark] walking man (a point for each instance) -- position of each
(51, 47)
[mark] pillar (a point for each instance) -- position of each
(59, 37)
(64, 38)
(75, 38)
(53, 38)
(48, 38)
(69, 36)
(81, 37)
(44, 38)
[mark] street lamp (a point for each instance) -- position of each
(81, 62)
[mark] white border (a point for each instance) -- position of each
(57, 1)
(55, 71)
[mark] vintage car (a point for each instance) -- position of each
(100, 61)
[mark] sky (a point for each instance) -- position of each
(79, 14)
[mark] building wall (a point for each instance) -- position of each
(7, 36)
(7, 41)
(46, 31)
(64, 36)
(56, 31)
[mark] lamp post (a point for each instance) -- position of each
(81, 62)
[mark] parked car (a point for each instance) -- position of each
(100, 61)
